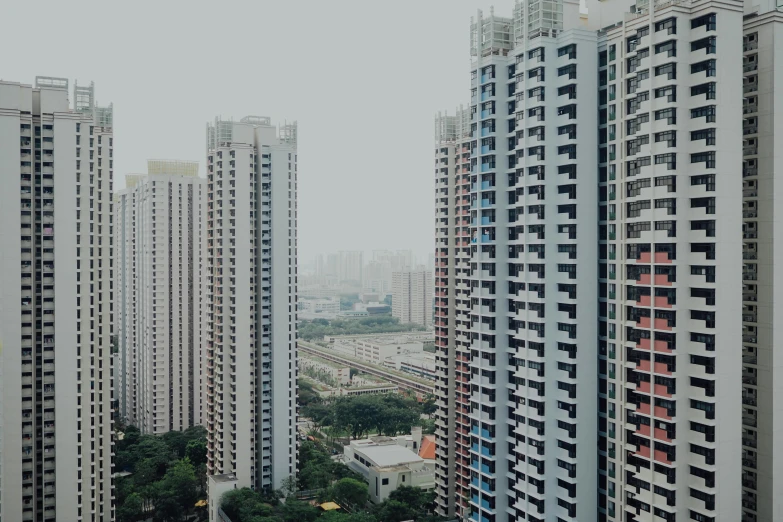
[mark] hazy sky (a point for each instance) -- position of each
(363, 78)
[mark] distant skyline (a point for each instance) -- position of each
(364, 87)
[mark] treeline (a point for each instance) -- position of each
(167, 475)
(359, 415)
(336, 483)
(316, 329)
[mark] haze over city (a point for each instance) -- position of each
(363, 80)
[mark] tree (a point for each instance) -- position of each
(244, 504)
(294, 510)
(417, 498)
(289, 485)
(196, 451)
(131, 510)
(352, 491)
(394, 511)
(178, 489)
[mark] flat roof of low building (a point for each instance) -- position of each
(388, 454)
(228, 477)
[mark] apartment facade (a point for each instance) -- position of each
(412, 296)
(528, 180)
(160, 299)
(670, 159)
(251, 294)
(604, 198)
(761, 127)
(452, 309)
(56, 365)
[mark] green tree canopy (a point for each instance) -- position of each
(352, 491)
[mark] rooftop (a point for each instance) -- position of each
(427, 451)
(228, 477)
(386, 455)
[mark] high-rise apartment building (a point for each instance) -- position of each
(56, 407)
(350, 266)
(251, 294)
(762, 63)
(160, 308)
(514, 190)
(670, 108)
(412, 296)
(599, 220)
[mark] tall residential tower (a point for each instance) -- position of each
(160, 297)
(597, 303)
(251, 296)
(56, 279)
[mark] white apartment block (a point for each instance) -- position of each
(160, 251)
(644, 190)
(56, 404)
(762, 128)
(452, 309)
(670, 160)
(251, 299)
(412, 296)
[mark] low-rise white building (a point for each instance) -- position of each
(325, 371)
(421, 364)
(388, 465)
(316, 306)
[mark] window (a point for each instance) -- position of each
(707, 21)
(704, 179)
(634, 188)
(385, 482)
(569, 70)
(667, 203)
(670, 137)
(705, 134)
(634, 230)
(707, 112)
(708, 44)
(570, 90)
(707, 66)
(634, 125)
(635, 103)
(666, 181)
(708, 158)
(670, 48)
(708, 89)
(634, 209)
(634, 167)
(670, 115)
(670, 160)
(670, 92)
(668, 226)
(632, 84)
(634, 62)
(670, 25)
(669, 69)
(568, 50)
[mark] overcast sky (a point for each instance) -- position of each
(363, 79)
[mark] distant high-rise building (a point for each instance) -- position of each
(160, 306)
(56, 364)
(412, 296)
(331, 267)
(251, 296)
(597, 305)
(350, 266)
